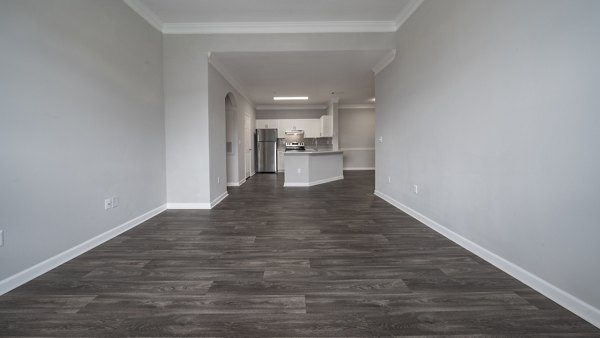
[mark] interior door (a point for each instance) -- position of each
(248, 145)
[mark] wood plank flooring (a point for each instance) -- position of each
(330, 260)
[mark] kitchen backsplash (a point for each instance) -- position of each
(323, 143)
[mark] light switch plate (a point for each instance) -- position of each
(108, 203)
(1, 237)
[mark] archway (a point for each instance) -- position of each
(231, 139)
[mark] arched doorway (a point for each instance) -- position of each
(231, 139)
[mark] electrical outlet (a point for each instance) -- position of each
(416, 189)
(108, 203)
(219, 179)
(1, 237)
(389, 179)
(115, 201)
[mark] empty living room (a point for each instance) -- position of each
(284, 168)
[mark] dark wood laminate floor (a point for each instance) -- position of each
(330, 260)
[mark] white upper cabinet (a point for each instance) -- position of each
(266, 124)
(326, 126)
(312, 128)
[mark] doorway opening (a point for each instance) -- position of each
(231, 140)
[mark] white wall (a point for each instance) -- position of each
(357, 137)
(81, 119)
(491, 107)
(186, 122)
(191, 180)
(218, 90)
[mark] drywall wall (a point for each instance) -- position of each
(333, 110)
(218, 89)
(231, 139)
(357, 137)
(81, 120)
(491, 108)
(290, 114)
(186, 124)
(191, 179)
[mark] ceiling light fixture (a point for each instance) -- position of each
(290, 98)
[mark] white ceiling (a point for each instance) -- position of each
(262, 75)
(270, 16)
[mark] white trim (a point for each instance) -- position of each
(570, 302)
(221, 69)
(384, 62)
(273, 27)
(218, 199)
(145, 13)
(188, 206)
(292, 107)
(291, 185)
(359, 168)
(356, 106)
(279, 27)
(236, 184)
(28, 274)
(310, 184)
(357, 149)
(407, 12)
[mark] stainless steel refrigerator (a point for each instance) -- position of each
(266, 150)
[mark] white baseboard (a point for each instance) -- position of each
(568, 301)
(30, 273)
(219, 199)
(178, 206)
(197, 206)
(291, 185)
(360, 168)
(236, 184)
(310, 184)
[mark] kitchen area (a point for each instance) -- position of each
(305, 150)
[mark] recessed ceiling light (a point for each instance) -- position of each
(290, 98)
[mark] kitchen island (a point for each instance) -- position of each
(312, 167)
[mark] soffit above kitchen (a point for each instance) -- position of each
(316, 74)
(274, 16)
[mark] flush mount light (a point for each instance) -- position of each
(290, 98)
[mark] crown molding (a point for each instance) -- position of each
(219, 67)
(279, 27)
(290, 107)
(145, 13)
(407, 12)
(274, 27)
(384, 62)
(356, 106)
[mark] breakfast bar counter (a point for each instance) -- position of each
(312, 167)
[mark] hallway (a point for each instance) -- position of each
(330, 260)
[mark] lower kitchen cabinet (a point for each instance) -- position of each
(280, 160)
